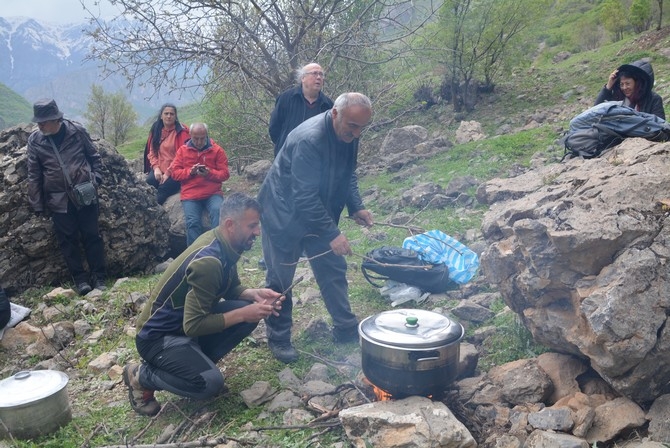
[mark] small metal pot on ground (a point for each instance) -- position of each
(33, 403)
(410, 352)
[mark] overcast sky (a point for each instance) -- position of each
(57, 11)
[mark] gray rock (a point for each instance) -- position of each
(288, 380)
(471, 312)
(555, 419)
(546, 439)
(318, 372)
(659, 419)
(613, 418)
(260, 392)
(284, 400)
(468, 359)
(521, 381)
(403, 139)
(316, 387)
(409, 423)
(574, 245)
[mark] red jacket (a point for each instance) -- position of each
(194, 186)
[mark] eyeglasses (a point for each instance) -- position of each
(317, 74)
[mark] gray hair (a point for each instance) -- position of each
(352, 99)
(301, 72)
(197, 125)
(236, 204)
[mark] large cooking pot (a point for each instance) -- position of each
(33, 403)
(410, 352)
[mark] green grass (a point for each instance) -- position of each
(14, 109)
(510, 342)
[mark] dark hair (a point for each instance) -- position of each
(640, 87)
(157, 127)
(236, 204)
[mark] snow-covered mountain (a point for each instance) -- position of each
(40, 60)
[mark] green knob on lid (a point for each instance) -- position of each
(411, 321)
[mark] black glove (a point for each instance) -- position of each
(39, 214)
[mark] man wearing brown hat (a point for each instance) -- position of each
(61, 155)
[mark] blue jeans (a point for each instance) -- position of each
(193, 215)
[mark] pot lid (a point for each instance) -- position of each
(405, 328)
(29, 386)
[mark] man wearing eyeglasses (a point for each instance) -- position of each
(298, 103)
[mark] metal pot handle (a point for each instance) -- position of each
(431, 355)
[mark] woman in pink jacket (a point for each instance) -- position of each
(201, 166)
(166, 136)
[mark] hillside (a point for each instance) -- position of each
(14, 109)
(523, 117)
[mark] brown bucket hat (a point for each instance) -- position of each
(46, 110)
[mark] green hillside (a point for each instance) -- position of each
(14, 109)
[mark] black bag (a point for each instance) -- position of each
(405, 266)
(591, 142)
(606, 125)
(84, 194)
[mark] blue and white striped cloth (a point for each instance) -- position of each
(439, 248)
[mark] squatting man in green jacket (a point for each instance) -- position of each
(198, 312)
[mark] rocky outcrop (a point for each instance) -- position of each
(134, 227)
(580, 252)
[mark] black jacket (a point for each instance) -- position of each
(290, 110)
(47, 188)
(309, 184)
(650, 102)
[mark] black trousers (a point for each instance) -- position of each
(5, 309)
(164, 190)
(73, 228)
(187, 366)
(330, 272)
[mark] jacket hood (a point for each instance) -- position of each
(642, 69)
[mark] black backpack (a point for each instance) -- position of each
(606, 125)
(590, 142)
(405, 266)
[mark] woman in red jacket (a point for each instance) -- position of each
(201, 166)
(166, 136)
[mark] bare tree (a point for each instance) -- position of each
(174, 44)
(244, 53)
(478, 35)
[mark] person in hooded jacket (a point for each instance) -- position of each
(201, 166)
(632, 84)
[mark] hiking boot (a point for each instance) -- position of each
(141, 400)
(283, 351)
(83, 288)
(345, 335)
(99, 284)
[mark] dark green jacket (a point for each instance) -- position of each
(182, 300)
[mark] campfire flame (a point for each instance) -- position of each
(380, 393)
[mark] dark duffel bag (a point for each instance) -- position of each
(405, 266)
